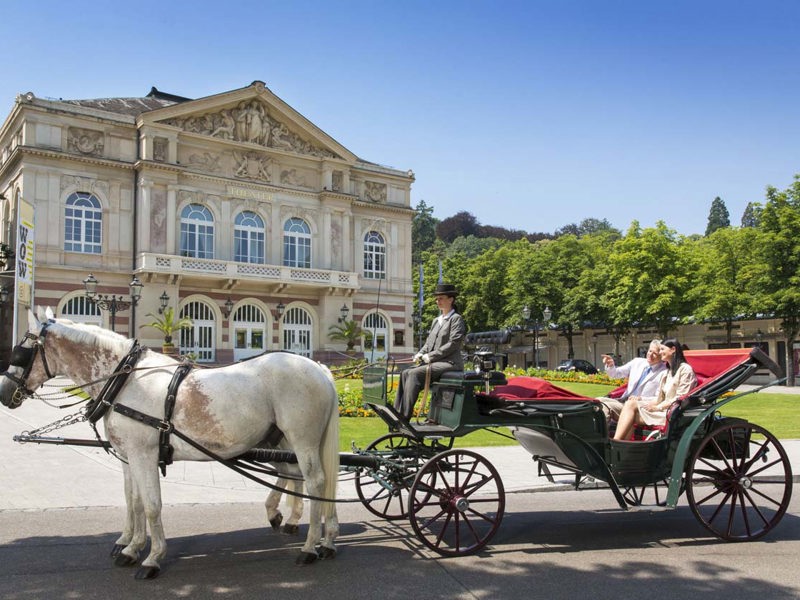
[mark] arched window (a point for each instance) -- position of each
(248, 238)
(81, 310)
(83, 224)
(197, 232)
(297, 331)
(296, 243)
(374, 256)
(199, 338)
(376, 325)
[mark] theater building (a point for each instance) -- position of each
(234, 210)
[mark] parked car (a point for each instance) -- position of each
(577, 364)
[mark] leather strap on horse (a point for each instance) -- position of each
(165, 449)
(105, 399)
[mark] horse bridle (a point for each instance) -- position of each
(24, 358)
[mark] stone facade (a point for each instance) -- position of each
(233, 205)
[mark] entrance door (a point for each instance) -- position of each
(249, 332)
(297, 331)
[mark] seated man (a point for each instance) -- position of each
(644, 375)
(440, 353)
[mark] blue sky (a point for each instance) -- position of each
(530, 115)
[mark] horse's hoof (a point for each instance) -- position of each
(290, 529)
(324, 552)
(276, 521)
(305, 558)
(147, 572)
(123, 560)
(116, 550)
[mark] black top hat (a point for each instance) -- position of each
(446, 289)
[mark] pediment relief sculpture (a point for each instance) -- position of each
(205, 161)
(374, 191)
(249, 122)
(294, 178)
(85, 141)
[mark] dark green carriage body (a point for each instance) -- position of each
(571, 434)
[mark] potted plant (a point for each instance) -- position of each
(348, 332)
(168, 324)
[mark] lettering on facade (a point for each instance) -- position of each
(248, 194)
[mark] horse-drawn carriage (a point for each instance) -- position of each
(736, 476)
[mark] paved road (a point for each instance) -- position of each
(61, 510)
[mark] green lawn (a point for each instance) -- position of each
(778, 413)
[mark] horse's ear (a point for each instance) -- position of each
(33, 322)
(40, 314)
(49, 314)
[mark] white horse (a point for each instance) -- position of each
(226, 410)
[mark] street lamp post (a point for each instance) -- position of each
(112, 304)
(526, 316)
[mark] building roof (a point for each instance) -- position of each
(131, 106)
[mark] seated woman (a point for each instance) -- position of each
(677, 381)
(441, 352)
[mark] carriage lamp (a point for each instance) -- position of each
(280, 308)
(114, 303)
(344, 311)
(228, 307)
(164, 300)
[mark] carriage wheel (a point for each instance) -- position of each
(384, 492)
(457, 503)
(739, 487)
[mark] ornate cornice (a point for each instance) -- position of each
(64, 156)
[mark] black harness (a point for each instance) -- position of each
(24, 358)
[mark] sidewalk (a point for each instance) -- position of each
(37, 476)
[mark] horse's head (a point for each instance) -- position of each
(53, 347)
(25, 372)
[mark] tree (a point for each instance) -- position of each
(350, 333)
(780, 223)
(650, 279)
(460, 224)
(727, 269)
(751, 217)
(168, 324)
(718, 216)
(423, 231)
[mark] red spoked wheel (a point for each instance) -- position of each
(457, 503)
(384, 491)
(739, 487)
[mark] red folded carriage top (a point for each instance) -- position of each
(533, 388)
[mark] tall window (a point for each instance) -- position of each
(374, 256)
(197, 232)
(248, 238)
(297, 331)
(296, 243)
(83, 224)
(199, 338)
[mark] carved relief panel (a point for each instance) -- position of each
(375, 192)
(85, 141)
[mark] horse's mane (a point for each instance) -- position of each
(84, 333)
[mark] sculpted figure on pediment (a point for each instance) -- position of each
(251, 165)
(85, 141)
(375, 192)
(249, 122)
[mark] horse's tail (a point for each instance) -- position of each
(330, 454)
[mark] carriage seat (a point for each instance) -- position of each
(458, 377)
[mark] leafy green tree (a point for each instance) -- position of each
(718, 216)
(650, 279)
(727, 268)
(423, 230)
(484, 280)
(751, 217)
(780, 223)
